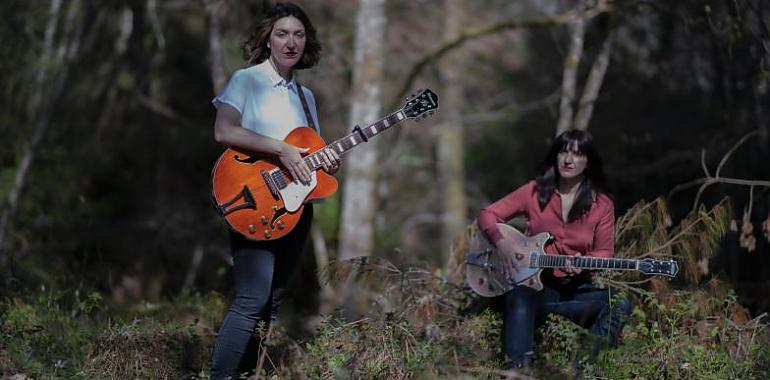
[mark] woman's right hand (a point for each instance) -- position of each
(291, 158)
(507, 252)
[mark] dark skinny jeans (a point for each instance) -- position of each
(578, 299)
(261, 271)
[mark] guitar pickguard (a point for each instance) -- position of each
(295, 193)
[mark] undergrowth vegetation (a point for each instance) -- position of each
(695, 334)
(417, 324)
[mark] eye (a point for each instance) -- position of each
(300, 34)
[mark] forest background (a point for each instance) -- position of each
(107, 144)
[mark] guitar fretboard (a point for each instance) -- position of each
(560, 261)
(314, 161)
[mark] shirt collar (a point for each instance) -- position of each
(276, 79)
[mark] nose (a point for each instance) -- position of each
(290, 43)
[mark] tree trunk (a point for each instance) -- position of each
(450, 137)
(38, 114)
(569, 80)
(358, 196)
(358, 202)
(594, 83)
(216, 59)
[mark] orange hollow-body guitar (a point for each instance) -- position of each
(257, 196)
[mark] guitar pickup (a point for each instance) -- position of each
(270, 184)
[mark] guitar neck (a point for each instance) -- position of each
(582, 262)
(358, 136)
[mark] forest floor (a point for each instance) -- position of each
(429, 331)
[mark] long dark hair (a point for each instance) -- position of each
(255, 48)
(593, 182)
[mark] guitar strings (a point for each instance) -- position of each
(392, 118)
(285, 172)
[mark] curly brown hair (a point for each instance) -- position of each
(255, 48)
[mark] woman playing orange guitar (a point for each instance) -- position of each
(568, 200)
(259, 107)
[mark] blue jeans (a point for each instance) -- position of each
(578, 300)
(261, 271)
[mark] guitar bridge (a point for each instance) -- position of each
(480, 259)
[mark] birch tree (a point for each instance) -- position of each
(568, 118)
(50, 76)
(216, 58)
(450, 135)
(358, 196)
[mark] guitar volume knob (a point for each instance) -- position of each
(263, 219)
(281, 225)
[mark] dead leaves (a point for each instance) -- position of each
(747, 239)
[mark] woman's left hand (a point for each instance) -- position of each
(330, 160)
(569, 269)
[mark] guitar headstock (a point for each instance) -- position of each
(421, 105)
(667, 268)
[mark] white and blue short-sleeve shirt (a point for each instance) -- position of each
(269, 104)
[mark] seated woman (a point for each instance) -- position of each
(568, 200)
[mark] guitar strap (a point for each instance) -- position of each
(308, 115)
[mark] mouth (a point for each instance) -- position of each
(291, 55)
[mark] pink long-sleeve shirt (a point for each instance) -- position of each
(591, 235)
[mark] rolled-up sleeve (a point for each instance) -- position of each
(503, 210)
(604, 235)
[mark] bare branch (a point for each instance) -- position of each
(703, 163)
(708, 180)
(472, 33)
(730, 152)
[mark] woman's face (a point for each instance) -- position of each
(571, 164)
(287, 43)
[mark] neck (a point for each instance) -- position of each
(539, 260)
(569, 185)
(285, 73)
